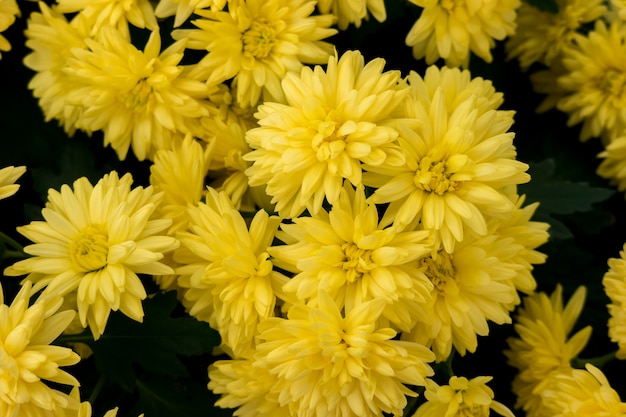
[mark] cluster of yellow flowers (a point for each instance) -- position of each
(359, 226)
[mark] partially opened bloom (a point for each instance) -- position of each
(95, 239)
(115, 13)
(226, 271)
(353, 11)
(452, 29)
(140, 99)
(582, 393)
(348, 255)
(460, 157)
(8, 11)
(613, 165)
(543, 346)
(8, 176)
(28, 359)
(52, 38)
(462, 397)
(614, 282)
(334, 363)
(257, 42)
(251, 389)
(594, 82)
(334, 122)
(542, 35)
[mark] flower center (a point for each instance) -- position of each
(259, 39)
(328, 143)
(440, 271)
(138, 96)
(613, 83)
(89, 252)
(357, 261)
(433, 176)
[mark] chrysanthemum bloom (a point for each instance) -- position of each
(334, 364)
(542, 35)
(582, 393)
(461, 398)
(227, 273)
(251, 389)
(346, 253)
(115, 13)
(227, 166)
(8, 176)
(95, 239)
(471, 286)
(459, 157)
(451, 29)
(543, 346)
(332, 124)
(594, 82)
(182, 9)
(51, 38)
(353, 11)
(8, 11)
(140, 99)
(179, 172)
(27, 358)
(614, 282)
(617, 10)
(613, 165)
(257, 42)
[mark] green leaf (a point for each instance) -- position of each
(561, 197)
(545, 5)
(159, 396)
(154, 345)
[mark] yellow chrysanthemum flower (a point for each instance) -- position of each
(451, 29)
(543, 347)
(541, 35)
(582, 393)
(8, 176)
(471, 286)
(462, 397)
(613, 165)
(459, 155)
(332, 124)
(335, 364)
(617, 10)
(226, 273)
(182, 9)
(614, 282)
(249, 388)
(353, 11)
(257, 42)
(594, 82)
(52, 38)
(140, 99)
(27, 358)
(348, 255)
(95, 239)
(115, 13)
(179, 173)
(8, 11)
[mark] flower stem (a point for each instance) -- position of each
(97, 388)
(9, 241)
(598, 361)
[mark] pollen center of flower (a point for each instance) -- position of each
(433, 177)
(138, 96)
(440, 271)
(328, 143)
(613, 83)
(357, 261)
(89, 252)
(259, 39)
